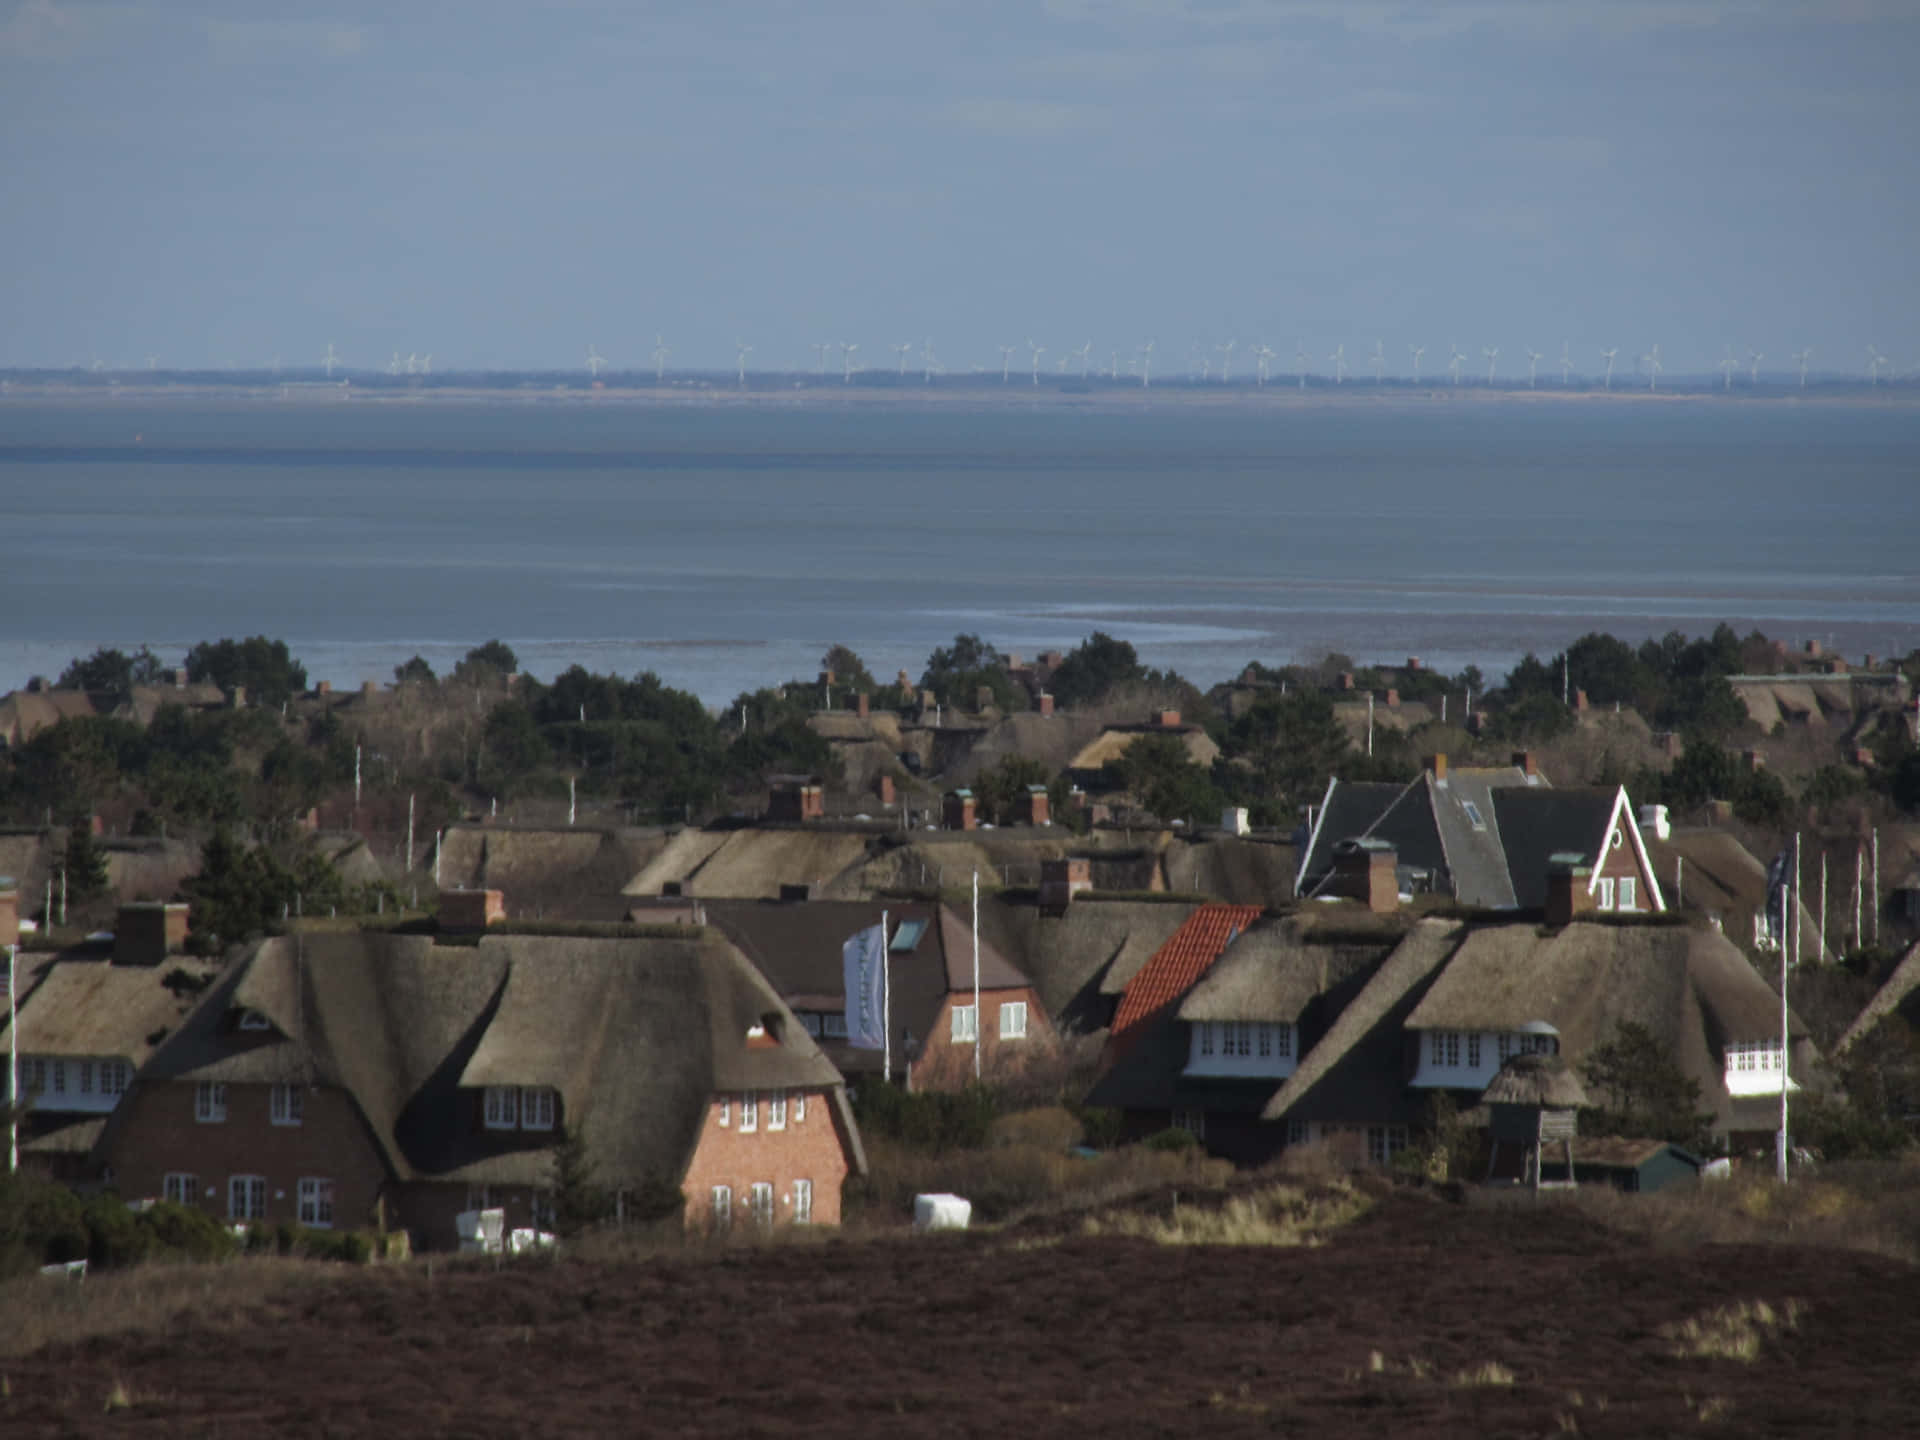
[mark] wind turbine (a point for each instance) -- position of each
(1226, 360)
(413, 362)
(1754, 357)
(1875, 360)
(1566, 366)
(1607, 355)
(594, 362)
(927, 356)
(1416, 351)
(1038, 351)
(1265, 355)
(1146, 365)
(1727, 364)
(1379, 360)
(903, 351)
(1006, 360)
(153, 362)
(660, 353)
(1339, 360)
(848, 349)
(1300, 359)
(745, 350)
(329, 360)
(1113, 365)
(1492, 355)
(393, 365)
(1085, 352)
(1533, 364)
(1654, 367)
(1804, 356)
(1456, 357)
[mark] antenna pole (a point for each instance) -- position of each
(886, 1001)
(1874, 895)
(13, 1061)
(1823, 902)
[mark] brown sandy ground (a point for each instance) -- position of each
(1422, 1318)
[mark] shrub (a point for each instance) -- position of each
(1172, 1141)
(115, 1234)
(927, 1120)
(187, 1232)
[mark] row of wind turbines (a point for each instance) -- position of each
(919, 356)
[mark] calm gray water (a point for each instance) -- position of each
(729, 548)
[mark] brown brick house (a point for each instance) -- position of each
(367, 1079)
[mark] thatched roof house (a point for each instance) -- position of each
(1544, 1082)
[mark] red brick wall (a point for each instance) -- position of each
(158, 1135)
(944, 1065)
(810, 1149)
(1623, 861)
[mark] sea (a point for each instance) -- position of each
(727, 546)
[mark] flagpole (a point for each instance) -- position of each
(1780, 1141)
(13, 1062)
(886, 1002)
(978, 1028)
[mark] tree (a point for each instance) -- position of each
(415, 672)
(263, 667)
(484, 662)
(1165, 781)
(848, 669)
(111, 672)
(578, 1198)
(1094, 669)
(1646, 1093)
(1294, 743)
(1609, 671)
(85, 861)
(957, 673)
(1000, 788)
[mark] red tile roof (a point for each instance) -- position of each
(1178, 965)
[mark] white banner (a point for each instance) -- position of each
(863, 963)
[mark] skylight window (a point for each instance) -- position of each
(907, 936)
(1474, 817)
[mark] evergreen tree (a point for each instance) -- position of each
(85, 861)
(1646, 1093)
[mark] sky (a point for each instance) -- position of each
(504, 184)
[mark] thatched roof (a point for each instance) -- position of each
(545, 867)
(1536, 1080)
(1354, 1073)
(94, 1008)
(1887, 999)
(1710, 872)
(636, 1035)
(1276, 968)
(754, 864)
(1232, 868)
(1089, 953)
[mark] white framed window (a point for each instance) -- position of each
(1264, 1041)
(59, 1077)
(179, 1189)
(289, 1105)
(833, 1025)
(803, 1202)
(749, 1112)
(1013, 1020)
(724, 1112)
(115, 1076)
(1283, 1040)
(811, 1022)
(1473, 1049)
(1629, 897)
(254, 1020)
(1384, 1142)
(722, 1207)
(1504, 1047)
(777, 1110)
(33, 1075)
(536, 1107)
(966, 1025)
(1446, 1048)
(799, 1107)
(1205, 1028)
(1606, 892)
(1194, 1122)
(246, 1197)
(210, 1102)
(1296, 1132)
(85, 1067)
(503, 1107)
(316, 1203)
(760, 1203)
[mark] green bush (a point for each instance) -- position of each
(191, 1234)
(41, 1223)
(115, 1234)
(929, 1120)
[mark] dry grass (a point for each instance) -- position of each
(1871, 1207)
(1491, 1374)
(1277, 1215)
(43, 1311)
(1731, 1332)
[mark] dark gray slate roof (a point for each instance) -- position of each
(1536, 824)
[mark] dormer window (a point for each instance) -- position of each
(521, 1107)
(254, 1020)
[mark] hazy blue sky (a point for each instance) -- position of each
(503, 184)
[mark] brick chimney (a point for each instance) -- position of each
(9, 913)
(1168, 720)
(1061, 880)
(1568, 876)
(1524, 763)
(1030, 806)
(145, 934)
(957, 810)
(1046, 705)
(1438, 765)
(1753, 760)
(323, 688)
(1368, 871)
(826, 677)
(862, 705)
(1413, 662)
(237, 697)
(1580, 700)
(1393, 699)
(883, 789)
(471, 909)
(1345, 682)
(369, 689)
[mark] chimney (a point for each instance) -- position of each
(1046, 706)
(1580, 700)
(1061, 880)
(1753, 760)
(1654, 818)
(369, 689)
(1367, 870)
(146, 933)
(982, 697)
(1869, 660)
(1030, 807)
(927, 701)
(1233, 820)
(1568, 876)
(1345, 681)
(883, 788)
(1168, 720)
(237, 697)
(323, 688)
(469, 910)
(1051, 659)
(826, 678)
(1438, 765)
(1813, 649)
(957, 810)
(179, 677)
(9, 912)
(1393, 698)
(1523, 762)
(1413, 662)
(862, 705)
(795, 894)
